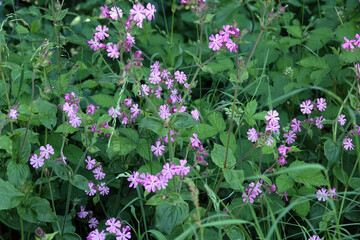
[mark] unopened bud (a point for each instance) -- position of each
(282, 9)
(271, 14)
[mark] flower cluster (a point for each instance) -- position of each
(324, 194)
(254, 190)
(160, 180)
(126, 112)
(71, 107)
(98, 175)
(137, 15)
(350, 44)
(36, 161)
(195, 144)
(226, 38)
(196, 5)
(283, 150)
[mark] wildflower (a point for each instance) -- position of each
(158, 149)
(123, 235)
(150, 11)
(151, 183)
(273, 126)
(163, 182)
(164, 111)
(348, 44)
(321, 104)
(322, 194)
(92, 189)
(290, 137)
(115, 13)
(113, 224)
(252, 134)
(168, 170)
(93, 223)
(296, 124)
(195, 114)
(45, 152)
(216, 42)
(75, 121)
(182, 170)
(103, 189)
(13, 114)
(104, 11)
(231, 46)
(342, 119)
(306, 107)
(101, 32)
(138, 14)
(332, 193)
(82, 213)
(272, 116)
(96, 235)
(347, 144)
(195, 142)
(36, 161)
(98, 173)
(114, 112)
(128, 102)
(283, 149)
(113, 50)
(180, 77)
(91, 109)
(134, 179)
(135, 111)
(269, 141)
(314, 237)
(318, 122)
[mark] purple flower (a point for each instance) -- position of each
(103, 189)
(296, 124)
(322, 194)
(169, 169)
(82, 213)
(158, 149)
(273, 126)
(115, 13)
(318, 122)
(182, 170)
(321, 104)
(348, 44)
(180, 77)
(272, 116)
(13, 114)
(347, 144)
(252, 134)
(138, 14)
(134, 179)
(124, 234)
(314, 237)
(75, 121)
(342, 119)
(290, 137)
(164, 111)
(104, 11)
(306, 107)
(114, 112)
(195, 114)
(101, 32)
(135, 111)
(150, 11)
(92, 189)
(96, 235)
(151, 183)
(195, 142)
(269, 141)
(98, 173)
(93, 223)
(216, 42)
(113, 50)
(91, 109)
(36, 161)
(45, 152)
(113, 224)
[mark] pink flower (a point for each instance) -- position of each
(124, 234)
(94, 45)
(134, 179)
(93, 223)
(332, 193)
(195, 114)
(348, 44)
(113, 50)
(103, 189)
(269, 141)
(151, 183)
(101, 32)
(135, 111)
(75, 121)
(13, 114)
(272, 116)
(36, 161)
(150, 11)
(315, 237)
(273, 126)
(283, 149)
(155, 77)
(321, 104)
(96, 235)
(91, 109)
(296, 124)
(90, 163)
(104, 11)
(169, 169)
(252, 134)
(98, 173)
(322, 194)
(290, 137)
(158, 149)
(128, 102)
(114, 112)
(92, 189)
(180, 77)
(342, 119)
(182, 170)
(318, 122)
(216, 42)
(115, 13)
(195, 142)
(138, 14)
(45, 152)
(113, 224)
(164, 111)
(231, 46)
(306, 107)
(347, 144)
(82, 213)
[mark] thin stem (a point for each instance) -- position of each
(22, 228)
(142, 211)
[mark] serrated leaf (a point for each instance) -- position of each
(144, 149)
(303, 207)
(314, 62)
(310, 177)
(185, 120)
(121, 146)
(224, 139)
(204, 131)
(234, 178)
(104, 100)
(283, 183)
(217, 121)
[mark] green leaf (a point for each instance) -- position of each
(218, 156)
(157, 199)
(234, 178)
(154, 125)
(303, 207)
(250, 110)
(340, 174)
(244, 77)
(131, 134)
(158, 235)
(10, 196)
(5, 143)
(66, 128)
(47, 113)
(349, 56)
(168, 216)
(36, 209)
(21, 29)
(80, 182)
(219, 65)
(17, 173)
(232, 143)
(355, 184)
(312, 176)
(144, 149)
(204, 131)
(283, 183)
(185, 120)
(294, 30)
(314, 62)
(217, 121)
(60, 170)
(121, 146)
(104, 100)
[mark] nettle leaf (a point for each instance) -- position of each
(294, 30)
(104, 100)
(218, 156)
(314, 62)
(80, 182)
(204, 131)
(332, 152)
(17, 173)
(349, 56)
(154, 125)
(10, 196)
(284, 182)
(168, 216)
(303, 207)
(250, 110)
(144, 149)
(234, 178)
(185, 120)
(46, 113)
(217, 121)
(131, 134)
(224, 139)
(308, 174)
(121, 146)
(36, 209)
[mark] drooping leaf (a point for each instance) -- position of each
(10, 196)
